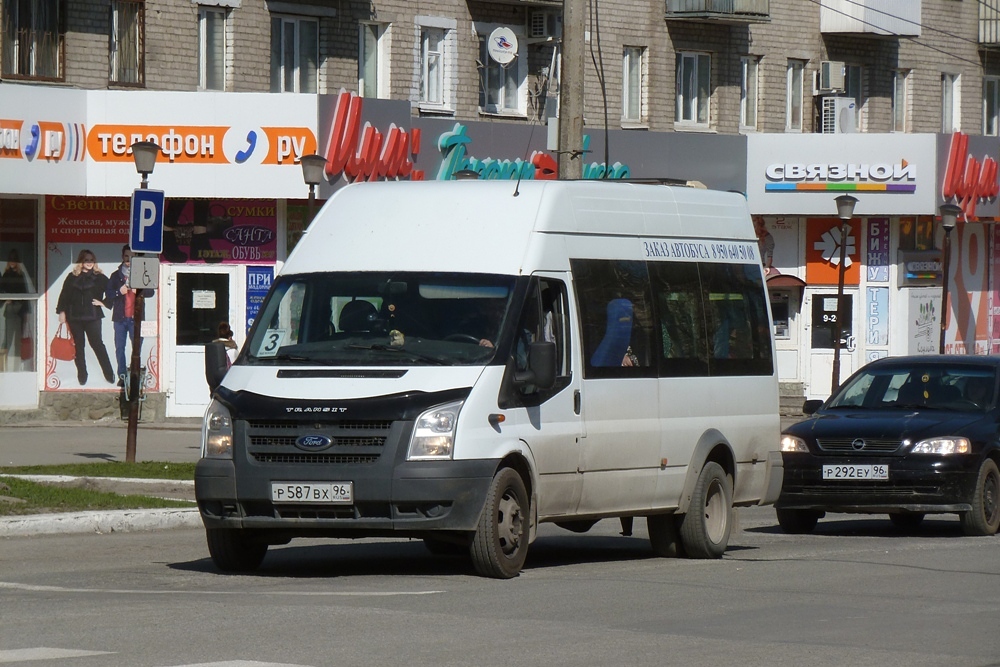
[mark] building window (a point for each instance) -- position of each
(18, 285)
(294, 54)
(211, 48)
(900, 99)
(854, 88)
(499, 86)
(372, 77)
(950, 103)
(632, 84)
(991, 106)
(694, 85)
(128, 18)
(32, 40)
(793, 110)
(748, 91)
(433, 60)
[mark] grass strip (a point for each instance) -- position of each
(35, 498)
(139, 470)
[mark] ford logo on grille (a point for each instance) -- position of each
(858, 444)
(313, 443)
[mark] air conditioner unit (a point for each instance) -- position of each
(839, 115)
(543, 24)
(831, 76)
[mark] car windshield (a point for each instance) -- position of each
(381, 319)
(944, 387)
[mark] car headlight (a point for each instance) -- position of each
(217, 432)
(789, 443)
(434, 433)
(942, 446)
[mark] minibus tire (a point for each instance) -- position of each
(663, 535)
(232, 550)
(500, 544)
(706, 527)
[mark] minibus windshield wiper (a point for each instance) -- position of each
(378, 347)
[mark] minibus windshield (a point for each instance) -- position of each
(381, 319)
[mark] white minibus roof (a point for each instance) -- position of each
(481, 226)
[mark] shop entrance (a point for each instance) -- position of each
(821, 307)
(198, 299)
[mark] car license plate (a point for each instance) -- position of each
(312, 492)
(852, 472)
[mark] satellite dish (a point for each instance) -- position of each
(502, 45)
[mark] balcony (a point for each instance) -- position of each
(989, 23)
(719, 11)
(899, 18)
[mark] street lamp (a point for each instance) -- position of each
(845, 211)
(312, 174)
(144, 153)
(949, 218)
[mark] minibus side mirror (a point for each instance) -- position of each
(541, 366)
(216, 365)
(811, 406)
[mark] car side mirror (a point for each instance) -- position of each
(811, 406)
(541, 366)
(216, 365)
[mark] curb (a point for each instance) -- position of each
(118, 521)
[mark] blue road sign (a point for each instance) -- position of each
(146, 226)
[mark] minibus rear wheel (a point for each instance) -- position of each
(709, 520)
(233, 550)
(500, 544)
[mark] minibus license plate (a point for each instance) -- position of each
(856, 472)
(312, 492)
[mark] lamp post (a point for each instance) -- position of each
(144, 153)
(845, 211)
(312, 174)
(949, 218)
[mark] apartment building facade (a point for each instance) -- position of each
(735, 94)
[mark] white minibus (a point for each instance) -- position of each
(461, 361)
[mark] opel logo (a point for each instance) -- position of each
(313, 443)
(858, 444)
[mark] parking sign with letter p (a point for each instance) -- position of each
(146, 226)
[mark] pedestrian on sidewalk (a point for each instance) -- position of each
(120, 298)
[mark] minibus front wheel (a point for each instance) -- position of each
(500, 544)
(233, 550)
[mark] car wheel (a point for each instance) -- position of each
(907, 520)
(501, 542)
(984, 519)
(798, 522)
(234, 551)
(664, 536)
(709, 520)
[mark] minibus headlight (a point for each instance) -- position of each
(789, 443)
(942, 446)
(217, 432)
(433, 436)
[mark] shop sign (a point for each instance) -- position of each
(877, 250)
(919, 268)
(967, 315)
(923, 324)
(877, 316)
(823, 242)
(258, 284)
(87, 219)
(967, 180)
(227, 231)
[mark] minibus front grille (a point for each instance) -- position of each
(286, 442)
(289, 441)
(314, 459)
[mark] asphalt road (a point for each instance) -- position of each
(856, 592)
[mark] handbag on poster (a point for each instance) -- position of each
(63, 347)
(27, 348)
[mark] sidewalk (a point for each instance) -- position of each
(47, 443)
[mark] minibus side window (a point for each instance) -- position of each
(616, 318)
(682, 340)
(736, 316)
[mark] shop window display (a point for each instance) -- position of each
(18, 280)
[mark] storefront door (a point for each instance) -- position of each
(821, 309)
(198, 298)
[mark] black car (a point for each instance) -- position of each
(907, 436)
